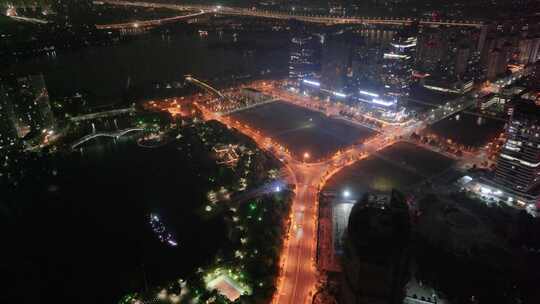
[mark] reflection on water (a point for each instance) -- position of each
(158, 227)
(377, 36)
(480, 121)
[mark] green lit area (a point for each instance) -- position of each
(244, 195)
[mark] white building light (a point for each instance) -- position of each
(385, 103)
(317, 84)
(339, 94)
(523, 162)
(395, 56)
(403, 46)
(369, 93)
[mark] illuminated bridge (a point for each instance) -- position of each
(222, 97)
(116, 134)
(205, 86)
(148, 23)
(325, 19)
(111, 113)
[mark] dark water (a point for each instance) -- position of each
(109, 72)
(84, 235)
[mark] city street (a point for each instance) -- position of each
(298, 278)
(298, 272)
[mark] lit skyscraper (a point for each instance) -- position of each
(304, 60)
(518, 167)
(398, 65)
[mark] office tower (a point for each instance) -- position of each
(518, 166)
(462, 61)
(337, 7)
(376, 255)
(367, 67)
(337, 53)
(449, 54)
(304, 60)
(493, 64)
(528, 50)
(430, 51)
(398, 64)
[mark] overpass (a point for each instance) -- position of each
(114, 135)
(28, 19)
(148, 23)
(324, 19)
(205, 86)
(220, 95)
(111, 113)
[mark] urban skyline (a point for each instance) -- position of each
(270, 151)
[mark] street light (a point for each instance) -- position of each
(306, 155)
(346, 193)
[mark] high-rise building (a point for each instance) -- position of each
(529, 50)
(337, 53)
(493, 64)
(498, 52)
(304, 60)
(462, 61)
(398, 64)
(368, 70)
(451, 53)
(430, 51)
(376, 254)
(337, 7)
(31, 106)
(518, 167)
(366, 65)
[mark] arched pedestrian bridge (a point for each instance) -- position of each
(116, 134)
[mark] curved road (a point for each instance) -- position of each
(297, 282)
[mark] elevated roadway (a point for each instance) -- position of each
(324, 19)
(148, 23)
(298, 279)
(103, 114)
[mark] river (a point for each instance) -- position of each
(162, 57)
